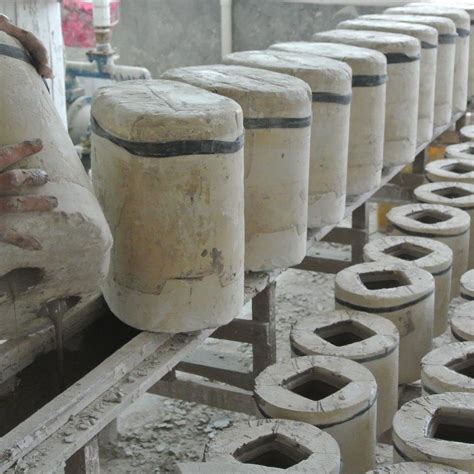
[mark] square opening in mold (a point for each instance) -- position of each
(315, 384)
(408, 251)
(459, 168)
(453, 192)
(452, 424)
(384, 280)
(429, 216)
(464, 366)
(344, 333)
(274, 450)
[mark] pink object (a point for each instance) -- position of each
(77, 22)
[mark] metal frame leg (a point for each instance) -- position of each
(360, 221)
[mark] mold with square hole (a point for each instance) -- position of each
(459, 168)
(275, 450)
(464, 366)
(315, 384)
(453, 192)
(451, 424)
(384, 280)
(344, 333)
(429, 216)
(408, 251)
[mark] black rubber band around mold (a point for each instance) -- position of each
(369, 81)
(267, 123)
(447, 38)
(15, 53)
(331, 98)
(463, 33)
(400, 58)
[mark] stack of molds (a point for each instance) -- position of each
(462, 151)
(366, 138)
(413, 467)
(331, 85)
(337, 395)
(448, 369)
(454, 170)
(428, 38)
(403, 54)
(285, 445)
(459, 195)
(368, 339)
(467, 133)
(168, 169)
(438, 429)
(462, 322)
(462, 21)
(404, 294)
(45, 256)
(443, 109)
(467, 286)
(277, 122)
(445, 224)
(427, 254)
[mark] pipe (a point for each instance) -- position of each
(226, 27)
(101, 14)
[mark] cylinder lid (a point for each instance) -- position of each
(467, 132)
(464, 151)
(461, 18)
(354, 335)
(416, 467)
(320, 390)
(445, 26)
(422, 429)
(363, 61)
(397, 48)
(449, 369)
(467, 285)
(462, 322)
(460, 195)
(322, 74)
(172, 114)
(426, 220)
(427, 35)
(315, 450)
(427, 254)
(382, 287)
(453, 169)
(260, 93)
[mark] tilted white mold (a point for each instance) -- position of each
(365, 338)
(427, 254)
(337, 395)
(445, 224)
(367, 124)
(463, 151)
(401, 109)
(331, 85)
(71, 251)
(462, 322)
(167, 163)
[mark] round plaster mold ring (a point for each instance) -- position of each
(462, 322)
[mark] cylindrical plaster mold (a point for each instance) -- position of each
(337, 395)
(331, 85)
(45, 256)
(415, 468)
(438, 429)
(401, 108)
(462, 21)
(469, 8)
(462, 322)
(445, 224)
(453, 170)
(428, 38)
(167, 166)
(449, 368)
(467, 285)
(462, 151)
(286, 445)
(467, 133)
(459, 195)
(277, 122)
(367, 124)
(443, 109)
(368, 339)
(402, 293)
(427, 254)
